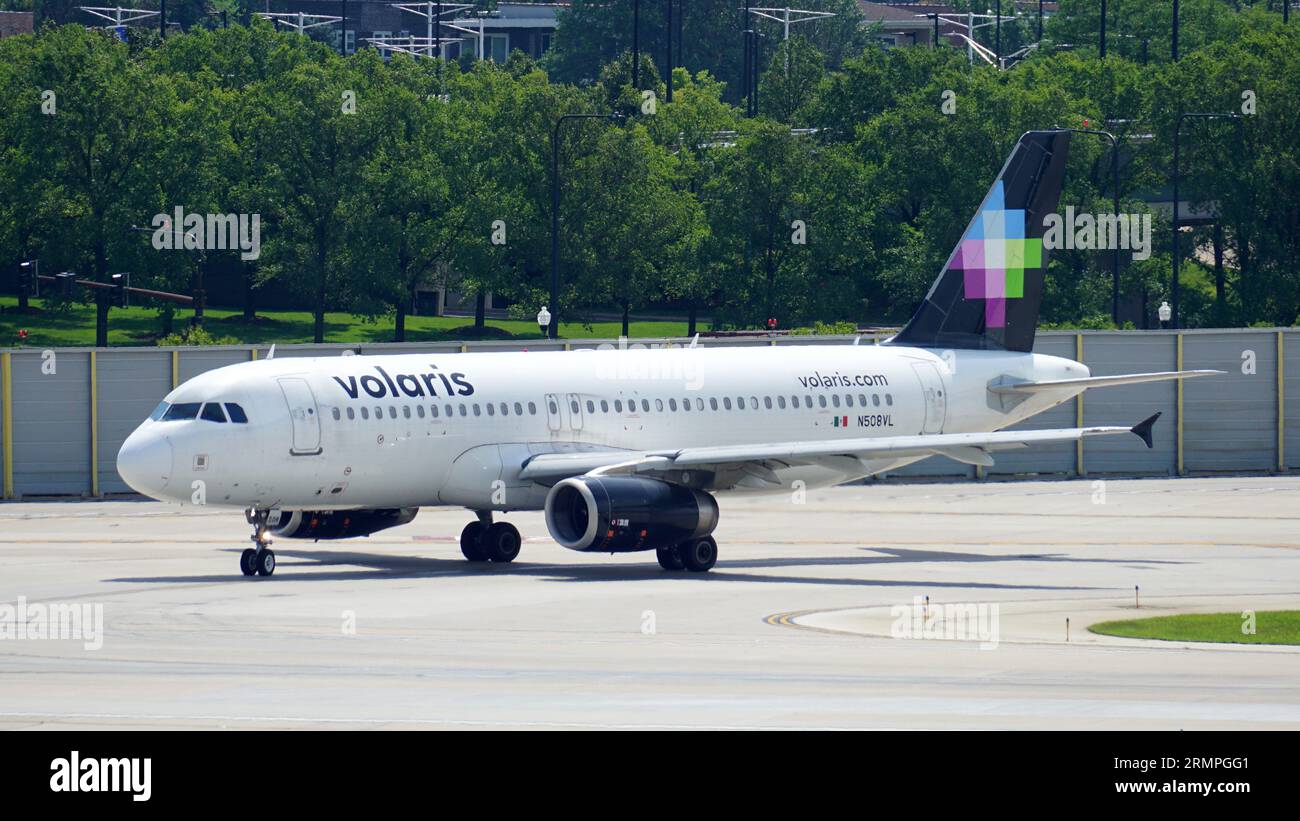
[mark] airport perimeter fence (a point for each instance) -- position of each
(65, 412)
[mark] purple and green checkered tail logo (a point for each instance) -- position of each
(994, 255)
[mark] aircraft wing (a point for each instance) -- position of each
(843, 454)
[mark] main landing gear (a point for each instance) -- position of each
(485, 540)
(695, 555)
(258, 560)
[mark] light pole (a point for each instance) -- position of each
(555, 210)
(636, 44)
(28, 287)
(1178, 128)
(1103, 29)
(668, 67)
(1114, 172)
(1164, 312)
(1174, 50)
(997, 35)
(543, 320)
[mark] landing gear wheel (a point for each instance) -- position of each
(501, 542)
(699, 555)
(670, 558)
(471, 542)
(265, 562)
(246, 562)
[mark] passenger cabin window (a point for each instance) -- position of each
(212, 413)
(181, 411)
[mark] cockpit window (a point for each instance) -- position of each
(158, 411)
(237, 414)
(182, 410)
(212, 413)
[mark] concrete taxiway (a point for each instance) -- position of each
(792, 629)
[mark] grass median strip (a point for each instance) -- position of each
(1244, 627)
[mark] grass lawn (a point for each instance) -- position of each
(1271, 627)
(142, 326)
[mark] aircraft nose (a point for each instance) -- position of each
(145, 462)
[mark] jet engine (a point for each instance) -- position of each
(336, 524)
(621, 514)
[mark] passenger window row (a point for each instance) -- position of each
(629, 406)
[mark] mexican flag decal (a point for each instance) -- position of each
(841, 421)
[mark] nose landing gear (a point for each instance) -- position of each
(484, 540)
(258, 560)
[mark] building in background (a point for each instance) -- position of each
(16, 22)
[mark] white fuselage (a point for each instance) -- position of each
(416, 430)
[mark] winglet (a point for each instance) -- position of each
(1143, 428)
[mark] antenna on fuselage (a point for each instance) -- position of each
(694, 341)
(856, 340)
(271, 353)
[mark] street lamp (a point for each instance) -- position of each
(636, 44)
(1164, 312)
(543, 319)
(1178, 128)
(28, 282)
(1114, 172)
(555, 207)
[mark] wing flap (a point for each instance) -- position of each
(957, 443)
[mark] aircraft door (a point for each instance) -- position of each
(575, 411)
(554, 413)
(936, 404)
(303, 415)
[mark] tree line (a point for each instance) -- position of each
(839, 202)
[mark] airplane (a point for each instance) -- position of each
(627, 450)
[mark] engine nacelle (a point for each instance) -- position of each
(620, 514)
(336, 524)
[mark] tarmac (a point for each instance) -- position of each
(815, 617)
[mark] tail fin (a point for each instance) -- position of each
(990, 290)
